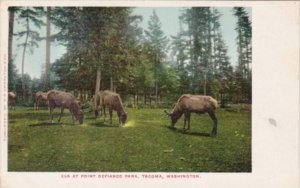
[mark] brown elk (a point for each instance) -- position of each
(40, 97)
(198, 104)
(11, 100)
(64, 100)
(113, 102)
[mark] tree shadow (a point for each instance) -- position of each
(45, 124)
(174, 129)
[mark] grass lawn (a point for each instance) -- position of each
(144, 144)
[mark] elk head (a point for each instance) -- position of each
(172, 116)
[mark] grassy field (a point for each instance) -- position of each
(144, 144)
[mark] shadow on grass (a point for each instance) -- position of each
(174, 129)
(37, 116)
(45, 124)
(90, 118)
(15, 147)
(102, 125)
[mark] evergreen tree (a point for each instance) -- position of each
(96, 39)
(29, 16)
(158, 44)
(244, 37)
(201, 54)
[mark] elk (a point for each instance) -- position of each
(11, 100)
(40, 97)
(198, 104)
(113, 102)
(64, 100)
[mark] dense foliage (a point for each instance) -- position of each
(143, 64)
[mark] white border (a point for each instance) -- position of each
(275, 149)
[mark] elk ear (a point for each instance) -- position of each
(168, 114)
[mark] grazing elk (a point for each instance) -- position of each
(40, 97)
(11, 100)
(64, 100)
(113, 102)
(198, 104)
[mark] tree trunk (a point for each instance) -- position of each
(205, 81)
(10, 34)
(23, 61)
(156, 93)
(137, 100)
(111, 84)
(97, 88)
(48, 42)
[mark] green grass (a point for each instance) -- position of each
(145, 144)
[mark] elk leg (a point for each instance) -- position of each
(215, 124)
(184, 122)
(73, 118)
(51, 114)
(110, 115)
(187, 116)
(104, 113)
(188, 121)
(61, 113)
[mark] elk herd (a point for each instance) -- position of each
(185, 105)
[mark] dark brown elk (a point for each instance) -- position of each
(11, 100)
(198, 104)
(39, 98)
(113, 102)
(64, 100)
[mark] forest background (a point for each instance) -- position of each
(106, 48)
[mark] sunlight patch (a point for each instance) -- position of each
(129, 124)
(83, 125)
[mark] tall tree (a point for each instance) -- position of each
(12, 12)
(48, 43)
(12, 72)
(179, 52)
(201, 52)
(244, 37)
(198, 25)
(29, 16)
(158, 44)
(96, 39)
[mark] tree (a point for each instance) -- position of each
(96, 39)
(198, 33)
(202, 68)
(12, 76)
(48, 42)
(12, 12)
(179, 52)
(141, 79)
(158, 43)
(243, 39)
(29, 16)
